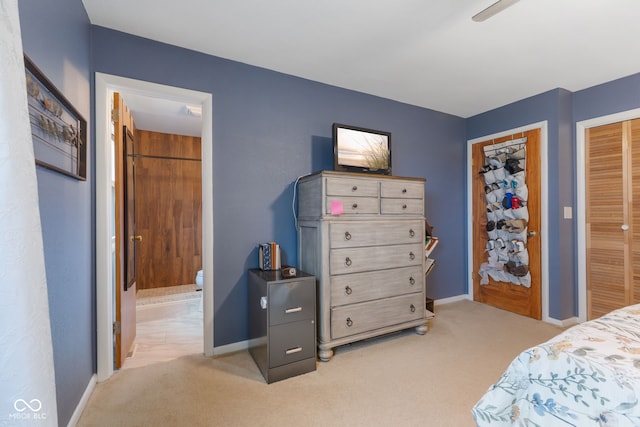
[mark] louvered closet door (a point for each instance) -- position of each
(634, 164)
(613, 264)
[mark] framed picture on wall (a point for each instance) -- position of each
(58, 131)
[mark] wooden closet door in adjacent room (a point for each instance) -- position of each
(612, 208)
(169, 209)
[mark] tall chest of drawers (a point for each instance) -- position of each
(362, 236)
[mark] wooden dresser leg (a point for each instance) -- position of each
(325, 354)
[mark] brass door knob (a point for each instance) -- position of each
(136, 238)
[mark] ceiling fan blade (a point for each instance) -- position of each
(494, 9)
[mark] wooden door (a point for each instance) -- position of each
(125, 287)
(613, 207)
(169, 215)
(503, 294)
(132, 239)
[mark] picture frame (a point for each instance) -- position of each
(59, 132)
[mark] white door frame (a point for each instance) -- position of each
(581, 128)
(105, 85)
(544, 206)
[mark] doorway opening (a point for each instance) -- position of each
(167, 188)
(106, 85)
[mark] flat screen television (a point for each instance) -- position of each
(358, 149)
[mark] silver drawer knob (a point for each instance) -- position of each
(347, 261)
(349, 322)
(404, 190)
(412, 256)
(348, 290)
(354, 188)
(412, 281)
(411, 233)
(413, 308)
(404, 206)
(347, 235)
(354, 206)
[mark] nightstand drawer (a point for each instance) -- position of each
(290, 301)
(357, 260)
(291, 342)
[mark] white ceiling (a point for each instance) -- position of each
(422, 52)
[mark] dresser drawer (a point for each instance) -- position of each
(354, 205)
(359, 287)
(352, 187)
(401, 206)
(357, 260)
(291, 342)
(372, 233)
(291, 301)
(402, 189)
(353, 319)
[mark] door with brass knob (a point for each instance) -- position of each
(503, 292)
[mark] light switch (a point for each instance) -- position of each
(568, 212)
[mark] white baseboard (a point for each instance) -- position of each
(571, 321)
(75, 417)
(452, 299)
(244, 345)
(562, 323)
(231, 348)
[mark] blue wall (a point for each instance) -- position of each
(555, 107)
(608, 98)
(562, 109)
(270, 128)
(56, 36)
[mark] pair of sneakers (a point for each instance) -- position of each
(513, 245)
(518, 270)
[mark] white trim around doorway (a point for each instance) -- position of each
(544, 206)
(105, 85)
(581, 177)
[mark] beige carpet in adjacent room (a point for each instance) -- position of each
(403, 379)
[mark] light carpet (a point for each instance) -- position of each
(399, 379)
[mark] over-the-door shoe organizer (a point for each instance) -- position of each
(506, 193)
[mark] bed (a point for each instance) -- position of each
(589, 375)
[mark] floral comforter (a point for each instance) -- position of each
(589, 375)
